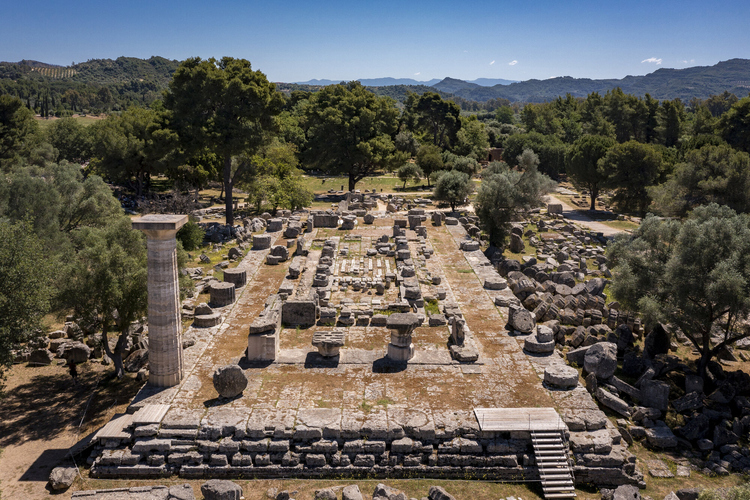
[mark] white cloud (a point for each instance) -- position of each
(652, 60)
(513, 63)
(493, 62)
(691, 61)
(417, 73)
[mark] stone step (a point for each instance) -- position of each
(569, 494)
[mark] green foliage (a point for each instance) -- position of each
(453, 187)
(632, 167)
(711, 174)
(72, 140)
(349, 131)
(472, 139)
(429, 160)
(106, 278)
(18, 131)
(437, 118)
(224, 107)
(406, 142)
(58, 200)
(273, 177)
(734, 125)
(583, 163)
(505, 114)
(26, 275)
(549, 148)
(191, 236)
(130, 148)
(505, 192)
(693, 274)
(409, 171)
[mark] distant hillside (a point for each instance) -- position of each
(388, 81)
(664, 83)
(99, 71)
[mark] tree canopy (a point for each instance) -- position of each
(350, 131)
(694, 275)
(583, 163)
(26, 276)
(454, 188)
(223, 106)
(711, 174)
(632, 166)
(505, 192)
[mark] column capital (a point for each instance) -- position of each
(160, 226)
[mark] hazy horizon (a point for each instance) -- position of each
(300, 41)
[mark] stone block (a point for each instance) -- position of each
(261, 241)
(299, 313)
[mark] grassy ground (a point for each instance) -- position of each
(83, 120)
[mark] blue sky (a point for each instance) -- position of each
(343, 40)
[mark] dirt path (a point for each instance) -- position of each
(40, 414)
(582, 219)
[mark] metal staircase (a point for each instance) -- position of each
(555, 471)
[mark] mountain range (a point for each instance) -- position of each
(156, 72)
(388, 81)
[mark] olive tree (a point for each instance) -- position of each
(694, 275)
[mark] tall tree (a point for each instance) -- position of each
(734, 125)
(130, 148)
(632, 167)
(106, 279)
(18, 130)
(694, 275)
(223, 106)
(453, 187)
(71, 140)
(505, 192)
(25, 286)
(438, 118)
(583, 164)
(350, 131)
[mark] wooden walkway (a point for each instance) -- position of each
(518, 419)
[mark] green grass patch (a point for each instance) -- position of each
(366, 407)
(465, 271)
(385, 401)
(431, 307)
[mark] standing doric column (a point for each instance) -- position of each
(164, 321)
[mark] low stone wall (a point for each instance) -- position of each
(321, 443)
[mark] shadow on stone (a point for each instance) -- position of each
(246, 364)
(210, 403)
(386, 365)
(315, 360)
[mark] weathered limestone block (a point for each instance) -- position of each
(261, 241)
(554, 208)
(222, 293)
(274, 225)
(591, 442)
(263, 346)
(298, 312)
(329, 343)
(561, 376)
(325, 220)
(236, 276)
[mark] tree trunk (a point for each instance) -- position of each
(228, 190)
(593, 193)
(115, 356)
(352, 182)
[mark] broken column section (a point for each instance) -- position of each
(263, 337)
(401, 349)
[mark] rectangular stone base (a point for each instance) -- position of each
(263, 346)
